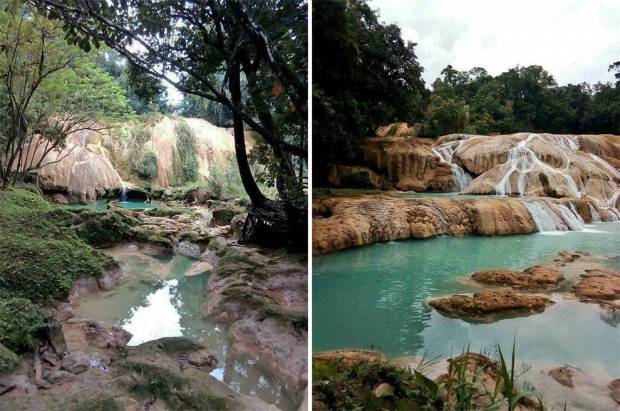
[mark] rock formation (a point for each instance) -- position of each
(600, 286)
(341, 222)
(537, 277)
(487, 305)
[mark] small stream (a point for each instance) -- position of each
(160, 300)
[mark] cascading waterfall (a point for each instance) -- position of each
(544, 217)
(570, 218)
(574, 211)
(596, 218)
(445, 153)
(522, 159)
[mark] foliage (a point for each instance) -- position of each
(186, 151)
(365, 76)
(43, 258)
(99, 228)
(50, 90)
(264, 43)
(199, 107)
(527, 99)
(8, 359)
(445, 116)
(22, 324)
(147, 168)
(340, 386)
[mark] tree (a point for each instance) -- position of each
(446, 115)
(187, 43)
(198, 107)
(365, 75)
(49, 90)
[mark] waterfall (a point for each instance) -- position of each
(123, 192)
(574, 211)
(522, 159)
(445, 153)
(595, 215)
(544, 217)
(571, 219)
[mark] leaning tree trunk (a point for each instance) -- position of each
(268, 222)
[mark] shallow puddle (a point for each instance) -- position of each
(159, 300)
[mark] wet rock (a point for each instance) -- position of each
(63, 312)
(490, 305)
(237, 223)
(223, 213)
(600, 286)
(202, 358)
(57, 341)
(534, 278)
(189, 249)
(614, 390)
(563, 375)
(54, 377)
(199, 268)
(111, 279)
(76, 362)
(101, 336)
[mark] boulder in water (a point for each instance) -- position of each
(600, 286)
(537, 277)
(489, 305)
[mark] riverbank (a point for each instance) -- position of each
(112, 321)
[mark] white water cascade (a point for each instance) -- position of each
(123, 192)
(543, 215)
(596, 218)
(572, 219)
(445, 153)
(523, 160)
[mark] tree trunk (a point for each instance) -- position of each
(249, 184)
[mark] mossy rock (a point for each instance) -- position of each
(42, 255)
(177, 345)
(166, 211)
(224, 213)
(100, 228)
(146, 235)
(152, 381)
(23, 324)
(8, 359)
(98, 403)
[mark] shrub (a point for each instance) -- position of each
(22, 324)
(147, 168)
(187, 169)
(8, 359)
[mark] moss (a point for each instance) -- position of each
(103, 227)
(223, 213)
(147, 235)
(177, 345)
(22, 324)
(153, 381)
(42, 256)
(166, 211)
(201, 401)
(193, 237)
(8, 359)
(99, 403)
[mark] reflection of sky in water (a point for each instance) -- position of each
(158, 300)
(156, 319)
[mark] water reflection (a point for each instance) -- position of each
(159, 300)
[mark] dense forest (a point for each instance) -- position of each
(369, 76)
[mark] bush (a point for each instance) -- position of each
(147, 168)
(8, 359)
(22, 324)
(187, 168)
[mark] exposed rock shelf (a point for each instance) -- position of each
(342, 222)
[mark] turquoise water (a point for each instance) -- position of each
(374, 297)
(161, 299)
(103, 205)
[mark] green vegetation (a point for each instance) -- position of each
(43, 258)
(98, 403)
(98, 228)
(8, 359)
(53, 84)
(147, 167)
(186, 171)
(368, 76)
(22, 324)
